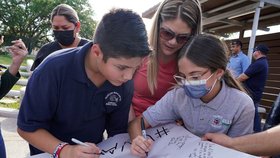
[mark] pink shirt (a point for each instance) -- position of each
(142, 97)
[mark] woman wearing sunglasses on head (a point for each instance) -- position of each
(207, 98)
(66, 27)
(173, 25)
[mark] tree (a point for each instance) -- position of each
(30, 20)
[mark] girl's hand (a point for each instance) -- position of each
(141, 146)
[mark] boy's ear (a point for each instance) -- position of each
(96, 51)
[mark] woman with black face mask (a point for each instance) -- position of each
(66, 27)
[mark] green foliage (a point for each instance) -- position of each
(29, 20)
(15, 105)
(6, 59)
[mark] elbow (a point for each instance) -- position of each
(20, 132)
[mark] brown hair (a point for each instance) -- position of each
(67, 11)
(209, 51)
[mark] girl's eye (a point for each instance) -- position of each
(195, 78)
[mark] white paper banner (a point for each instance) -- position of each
(170, 141)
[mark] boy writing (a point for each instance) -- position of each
(80, 92)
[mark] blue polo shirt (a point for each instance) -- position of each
(62, 100)
(238, 64)
(257, 73)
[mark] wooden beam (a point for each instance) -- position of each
(231, 13)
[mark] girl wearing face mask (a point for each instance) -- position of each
(66, 27)
(207, 98)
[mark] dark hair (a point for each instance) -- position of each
(122, 33)
(67, 11)
(208, 51)
(236, 42)
(262, 48)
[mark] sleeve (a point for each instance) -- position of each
(254, 69)
(245, 63)
(41, 55)
(163, 111)
(39, 104)
(117, 121)
(7, 82)
(273, 118)
(243, 121)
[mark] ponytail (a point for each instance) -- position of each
(233, 83)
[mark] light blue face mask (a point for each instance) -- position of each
(197, 89)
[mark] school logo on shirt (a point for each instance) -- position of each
(112, 99)
(218, 121)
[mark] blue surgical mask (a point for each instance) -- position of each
(197, 89)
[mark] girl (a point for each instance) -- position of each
(174, 23)
(208, 100)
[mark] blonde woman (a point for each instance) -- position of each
(173, 24)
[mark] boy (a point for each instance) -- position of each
(80, 92)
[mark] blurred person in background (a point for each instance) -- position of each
(66, 27)
(11, 76)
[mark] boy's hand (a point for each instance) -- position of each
(77, 151)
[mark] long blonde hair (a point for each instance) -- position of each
(187, 10)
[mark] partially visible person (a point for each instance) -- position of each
(173, 24)
(81, 92)
(11, 76)
(254, 79)
(206, 99)
(262, 143)
(66, 27)
(238, 61)
(1, 39)
(273, 118)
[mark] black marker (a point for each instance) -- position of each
(144, 134)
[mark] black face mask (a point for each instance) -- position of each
(65, 38)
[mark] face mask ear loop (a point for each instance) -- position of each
(211, 88)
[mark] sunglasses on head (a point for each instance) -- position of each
(167, 34)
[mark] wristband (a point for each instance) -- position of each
(58, 149)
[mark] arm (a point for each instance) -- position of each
(131, 115)
(245, 63)
(11, 76)
(263, 143)
(139, 145)
(48, 143)
(38, 112)
(7, 82)
(243, 120)
(18, 51)
(242, 77)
